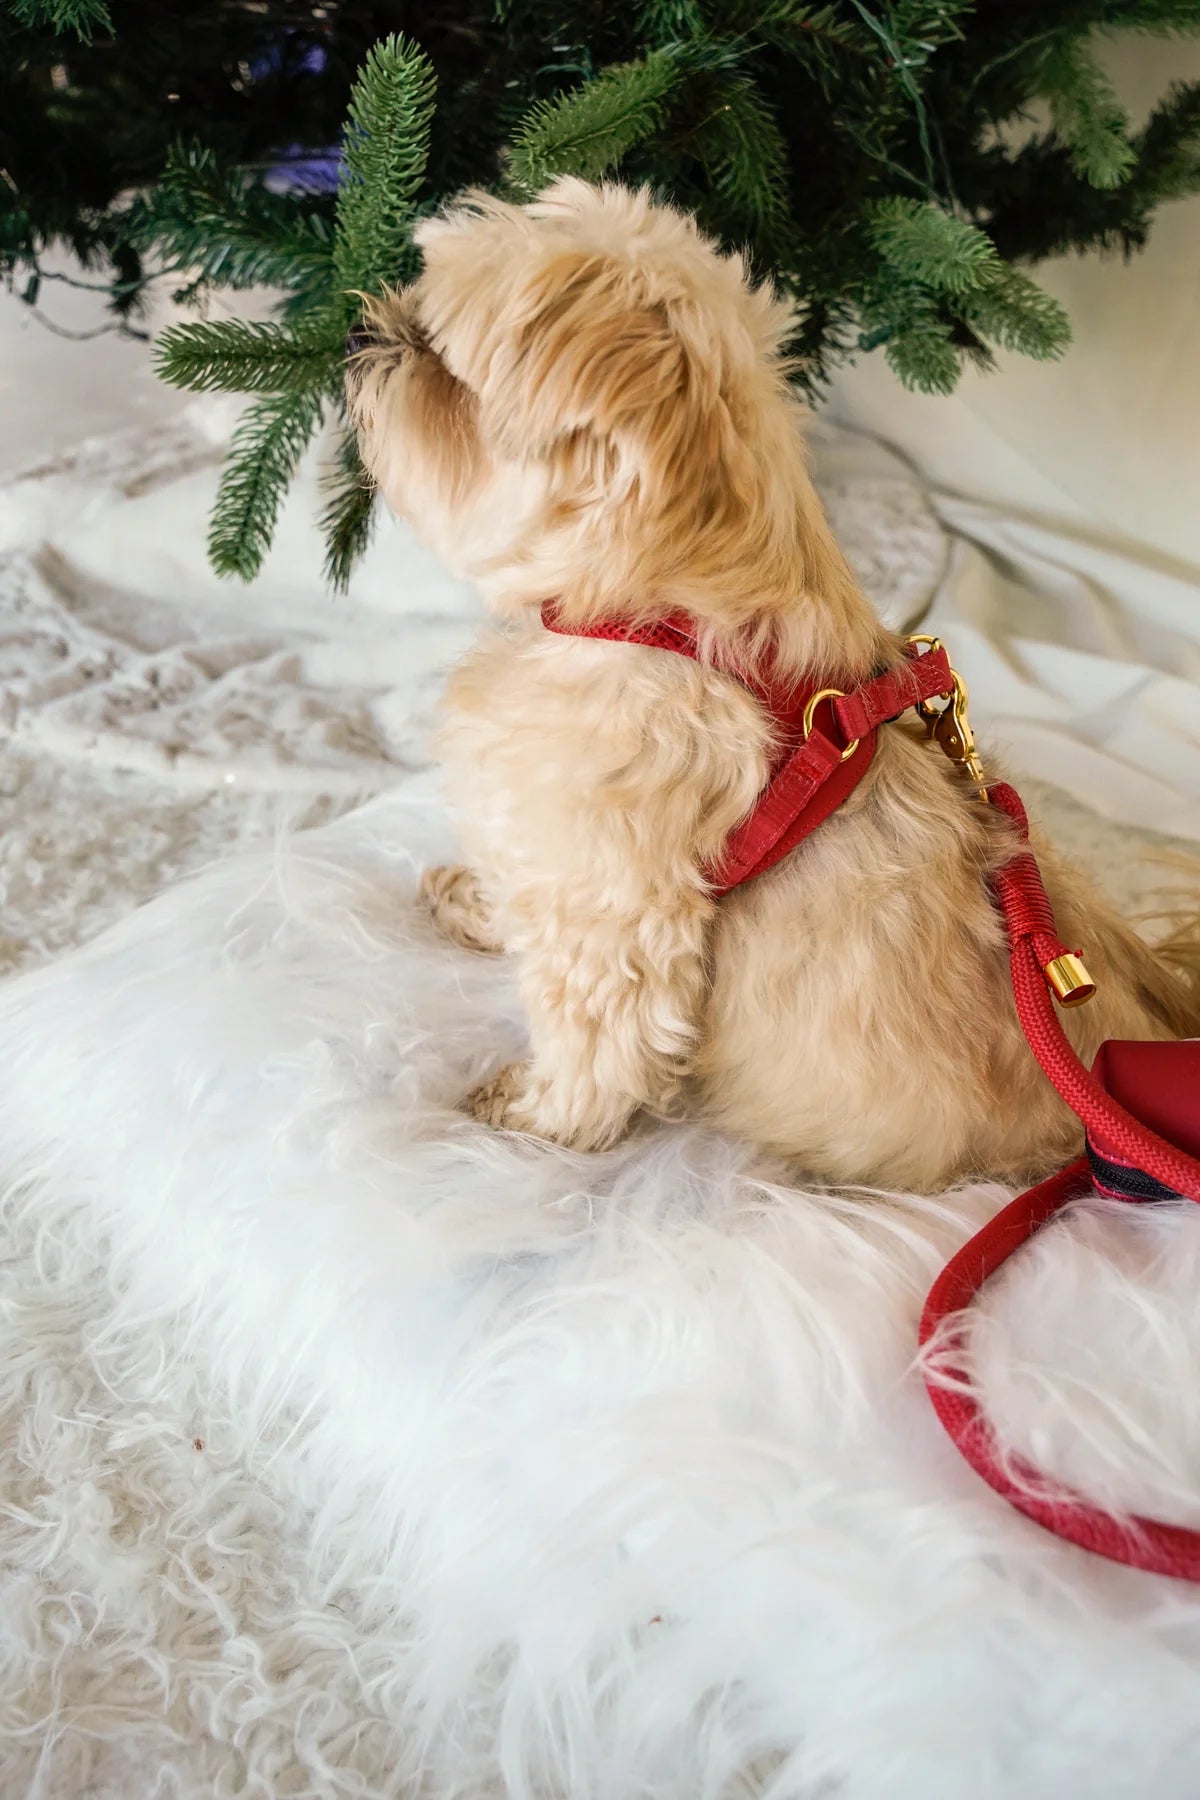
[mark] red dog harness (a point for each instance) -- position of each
(813, 769)
(825, 740)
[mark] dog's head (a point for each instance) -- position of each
(583, 397)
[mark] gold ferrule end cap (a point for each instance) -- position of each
(1072, 984)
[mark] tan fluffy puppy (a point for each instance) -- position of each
(582, 399)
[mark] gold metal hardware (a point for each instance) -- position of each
(950, 725)
(950, 728)
(1072, 984)
(927, 709)
(810, 714)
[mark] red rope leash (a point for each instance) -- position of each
(1138, 1542)
(1033, 946)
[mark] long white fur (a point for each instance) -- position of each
(524, 1472)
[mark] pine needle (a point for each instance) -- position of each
(658, 19)
(922, 354)
(348, 517)
(385, 152)
(242, 356)
(1017, 314)
(1168, 146)
(83, 17)
(1087, 114)
(923, 242)
(587, 132)
(744, 151)
(1157, 18)
(262, 459)
(230, 231)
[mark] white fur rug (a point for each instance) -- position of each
(349, 1449)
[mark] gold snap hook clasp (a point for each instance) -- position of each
(950, 725)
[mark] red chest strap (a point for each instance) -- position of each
(825, 737)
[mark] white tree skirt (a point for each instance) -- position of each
(348, 1449)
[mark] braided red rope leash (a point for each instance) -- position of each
(1033, 946)
(1138, 1542)
(812, 774)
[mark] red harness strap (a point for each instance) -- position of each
(812, 771)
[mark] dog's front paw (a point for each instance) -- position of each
(516, 1100)
(498, 1101)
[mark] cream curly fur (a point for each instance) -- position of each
(582, 399)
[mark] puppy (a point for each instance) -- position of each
(583, 400)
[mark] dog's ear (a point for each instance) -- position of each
(556, 338)
(604, 339)
(582, 351)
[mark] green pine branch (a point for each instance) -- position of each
(83, 17)
(743, 149)
(263, 457)
(934, 302)
(923, 242)
(235, 233)
(588, 131)
(922, 26)
(921, 353)
(16, 235)
(242, 356)
(348, 517)
(1014, 312)
(1087, 114)
(797, 24)
(1168, 147)
(385, 152)
(670, 20)
(851, 146)
(230, 231)
(1157, 18)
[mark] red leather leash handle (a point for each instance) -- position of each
(1137, 1542)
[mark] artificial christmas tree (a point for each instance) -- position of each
(881, 161)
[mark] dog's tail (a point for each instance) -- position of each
(1179, 952)
(1175, 994)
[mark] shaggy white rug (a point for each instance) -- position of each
(351, 1449)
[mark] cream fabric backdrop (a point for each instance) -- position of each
(1072, 599)
(1108, 439)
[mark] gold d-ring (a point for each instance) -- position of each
(810, 711)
